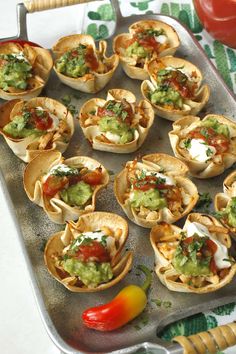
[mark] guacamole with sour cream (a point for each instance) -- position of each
(15, 70)
(193, 256)
(172, 87)
(115, 121)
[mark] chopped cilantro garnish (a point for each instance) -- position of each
(204, 202)
(187, 143)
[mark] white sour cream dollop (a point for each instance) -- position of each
(200, 151)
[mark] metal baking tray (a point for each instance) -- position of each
(60, 309)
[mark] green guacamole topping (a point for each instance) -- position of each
(14, 71)
(166, 96)
(137, 50)
(72, 63)
(114, 126)
(165, 93)
(90, 273)
(21, 127)
(229, 213)
(150, 199)
(77, 194)
(215, 125)
(187, 259)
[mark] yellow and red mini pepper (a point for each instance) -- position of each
(127, 305)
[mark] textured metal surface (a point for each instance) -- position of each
(60, 309)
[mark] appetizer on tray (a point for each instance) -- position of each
(195, 259)
(87, 256)
(146, 40)
(155, 190)
(117, 124)
(225, 204)
(175, 88)
(64, 188)
(80, 65)
(33, 127)
(24, 70)
(207, 146)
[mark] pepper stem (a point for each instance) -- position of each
(148, 277)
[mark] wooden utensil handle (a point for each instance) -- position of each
(211, 341)
(41, 5)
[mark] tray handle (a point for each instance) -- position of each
(210, 341)
(41, 5)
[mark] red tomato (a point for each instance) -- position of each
(94, 251)
(54, 184)
(220, 142)
(74, 179)
(146, 183)
(211, 245)
(93, 177)
(219, 19)
(43, 121)
(149, 42)
(102, 111)
(213, 266)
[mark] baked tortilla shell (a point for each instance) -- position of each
(56, 209)
(42, 63)
(93, 81)
(120, 262)
(156, 162)
(129, 63)
(209, 168)
(27, 148)
(190, 106)
(92, 132)
(166, 237)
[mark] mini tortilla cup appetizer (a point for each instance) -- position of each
(207, 146)
(117, 124)
(174, 88)
(87, 256)
(33, 127)
(80, 65)
(225, 204)
(155, 190)
(145, 41)
(194, 259)
(24, 70)
(64, 188)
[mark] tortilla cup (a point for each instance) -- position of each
(222, 200)
(156, 162)
(165, 239)
(190, 106)
(120, 262)
(29, 147)
(214, 166)
(130, 64)
(56, 209)
(91, 129)
(41, 62)
(93, 81)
